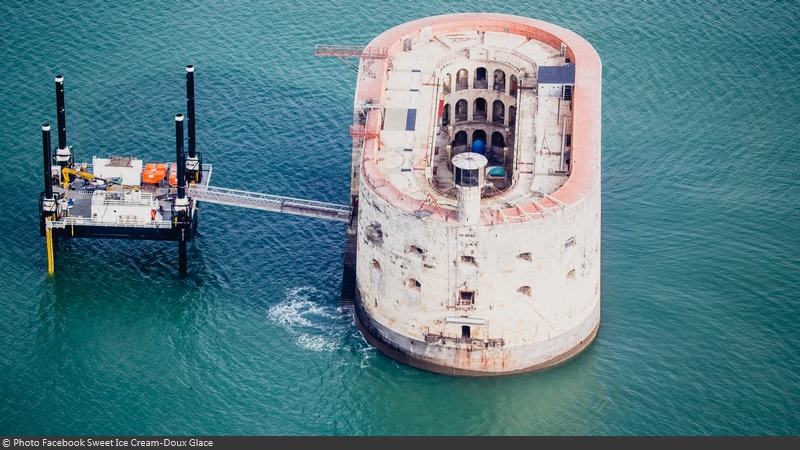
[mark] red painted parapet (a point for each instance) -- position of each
(586, 106)
(362, 131)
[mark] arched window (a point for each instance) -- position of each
(499, 80)
(462, 79)
(513, 91)
(479, 135)
(461, 110)
(479, 110)
(495, 153)
(446, 81)
(512, 116)
(498, 112)
(446, 115)
(498, 140)
(480, 79)
(461, 139)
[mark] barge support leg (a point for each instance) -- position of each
(50, 256)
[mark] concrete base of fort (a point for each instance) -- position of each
(484, 362)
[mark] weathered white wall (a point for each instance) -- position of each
(564, 280)
(550, 90)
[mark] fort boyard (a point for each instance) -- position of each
(474, 244)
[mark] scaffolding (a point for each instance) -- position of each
(349, 51)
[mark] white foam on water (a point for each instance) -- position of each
(289, 313)
(316, 343)
(315, 326)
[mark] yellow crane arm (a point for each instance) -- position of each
(66, 172)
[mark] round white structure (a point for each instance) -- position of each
(469, 177)
(476, 165)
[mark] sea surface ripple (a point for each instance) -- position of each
(700, 331)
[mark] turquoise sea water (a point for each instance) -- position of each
(700, 331)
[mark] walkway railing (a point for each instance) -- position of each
(350, 51)
(122, 223)
(274, 203)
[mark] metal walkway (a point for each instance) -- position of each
(351, 51)
(268, 202)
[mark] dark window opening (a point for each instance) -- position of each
(461, 110)
(413, 249)
(498, 112)
(496, 154)
(374, 234)
(525, 256)
(498, 140)
(460, 139)
(465, 332)
(466, 299)
(462, 77)
(499, 80)
(479, 109)
(480, 79)
(413, 284)
(513, 91)
(468, 259)
(478, 135)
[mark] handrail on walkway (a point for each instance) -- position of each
(267, 202)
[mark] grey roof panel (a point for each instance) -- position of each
(557, 74)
